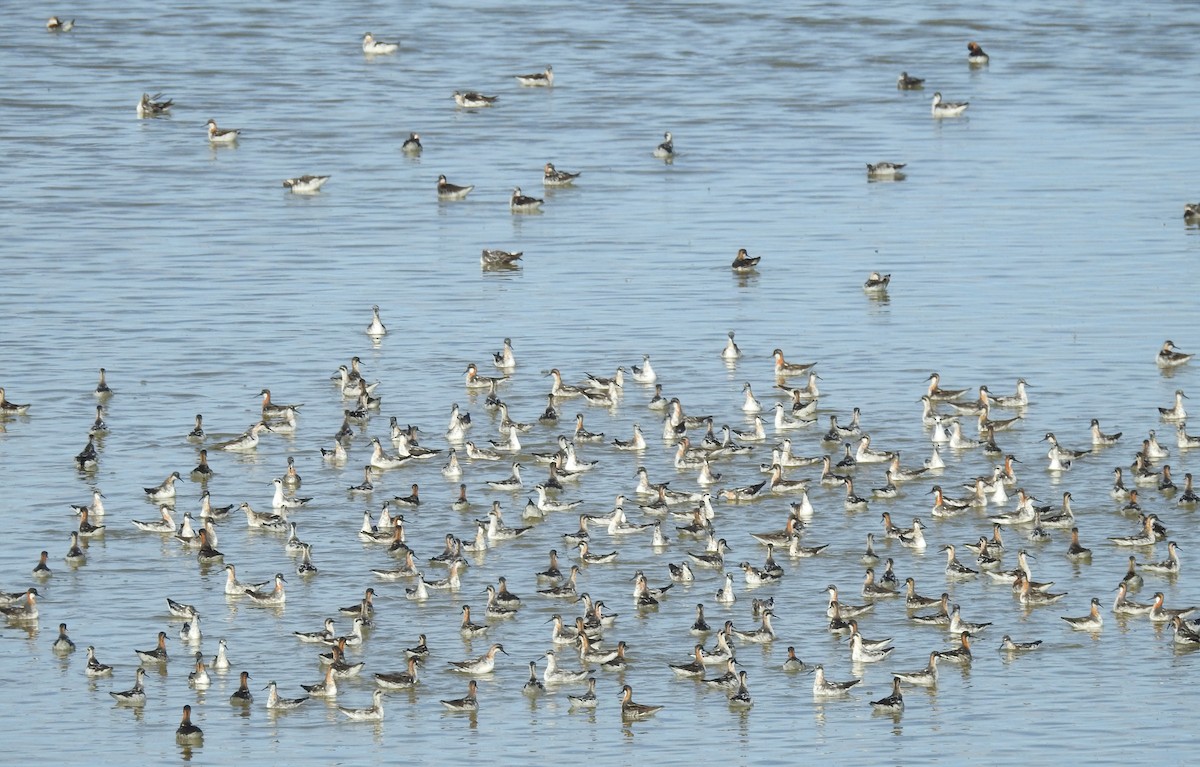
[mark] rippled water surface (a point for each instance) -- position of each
(1037, 236)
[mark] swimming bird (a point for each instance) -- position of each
(744, 262)
(246, 442)
(412, 144)
(523, 203)
(1093, 621)
(150, 106)
(326, 688)
(634, 711)
(276, 703)
(468, 703)
(448, 191)
(499, 258)
(926, 677)
(374, 713)
(893, 703)
(551, 176)
(55, 24)
(473, 100)
(242, 695)
(221, 135)
(947, 108)
(666, 150)
(824, 688)
(306, 184)
(164, 491)
(1170, 357)
(885, 170)
(960, 655)
(484, 664)
(1174, 413)
(12, 408)
(94, 667)
(907, 82)
(877, 283)
(374, 47)
(159, 654)
(975, 55)
(188, 733)
(543, 79)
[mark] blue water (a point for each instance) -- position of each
(1038, 236)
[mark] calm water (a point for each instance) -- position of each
(1037, 236)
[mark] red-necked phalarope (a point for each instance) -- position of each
(371, 46)
(1169, 356)
(893, 703)
(469, 703)
(666, 150)
(63, 644)
(150, 106)
(276, 703)
(523, 203)
(188, 733)
(472, 99)
(1093, 621)
(492, 258)
(885, 170)
(55, 24)
(306, 184)
(412, 144)
(448, 191)
(907, 82)
(221, 135)
(744, 262)
(11, 408)
(554, 177)
(947, 108)
(400, 681)
(1174, 413)
(631, 710)
(372, 714)
(975, 55)
(823, 688)
(484, 664)
(543, 79)
(876, 282)
(926, 677)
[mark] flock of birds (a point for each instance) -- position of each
(697, 445)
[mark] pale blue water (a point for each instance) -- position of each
(1039, 236)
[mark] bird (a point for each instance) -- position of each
(306, 184)
(634, 711)
(373, 47)
(494, 258)
(374, 713)
(150, 106)
(448, 191)
(468, 703)
(543, 79)
(523, 203)
(473, 99)
(221, 135)
(186, 732)
(412, 144)
(666, 150)
(975, 55)
(893, 702)
(551, 176)
(1169, 357)
(744, 262)
(885, 170)
(907, 82)
(135, 696)
(942, 108)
